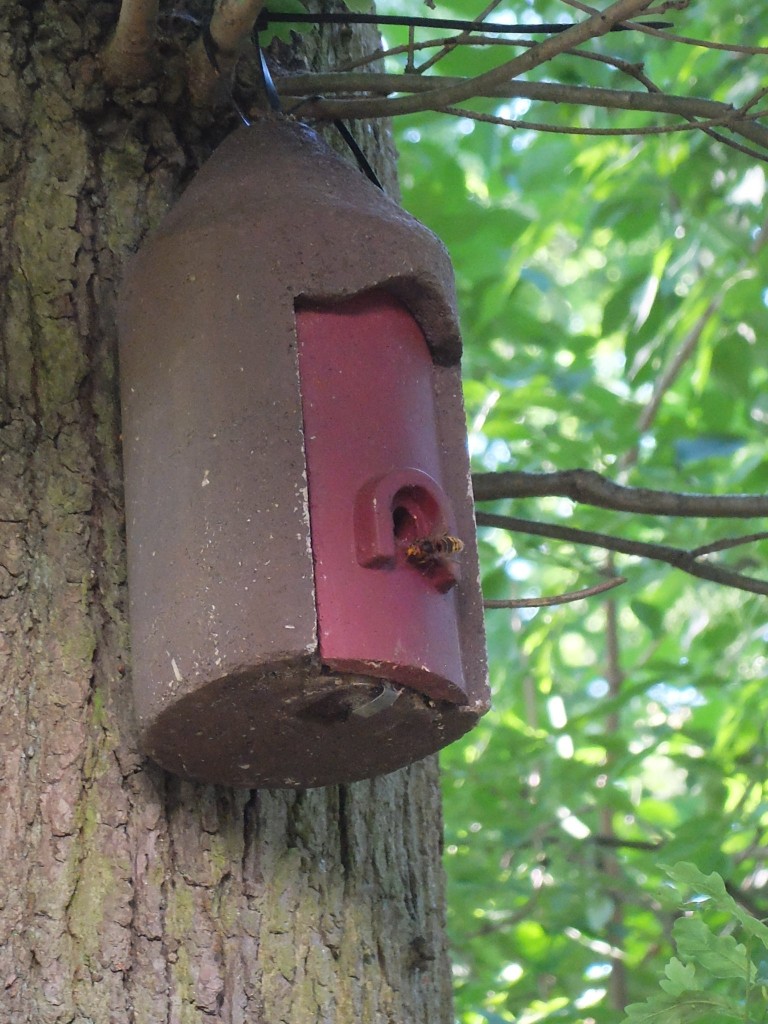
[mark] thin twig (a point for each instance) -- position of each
(410, 63)
(633, 70)
(739, 147)
(680, 357)
(590, 488)
(559, 129)
(704, 44)
(459, 39)
(129, 57)
(439, 97)
(677, 557)
(753, 100)
(727, 543)
(587, 9)
(615, 677)
(670, 373)
(448, 41)
(567, 598)
(617, 843)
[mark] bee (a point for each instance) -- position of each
(430, 552)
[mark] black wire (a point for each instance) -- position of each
(362, 161)
(211, 50)
(350, 18)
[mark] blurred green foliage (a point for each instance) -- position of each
(627, 734)
(714, 977)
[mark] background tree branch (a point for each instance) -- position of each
(424, 94)
(129, 59)
(688, 561)
(593, 27)
(566, 598)
(590, 488)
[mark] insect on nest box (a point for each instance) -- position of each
(304, 598)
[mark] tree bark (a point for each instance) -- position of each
(126, 895)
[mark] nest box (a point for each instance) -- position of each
(296, 477)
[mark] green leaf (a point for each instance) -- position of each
(713, 886)
(684, 1008)
(680, 977)
(649, 614)
(585, 268)
(721, 956)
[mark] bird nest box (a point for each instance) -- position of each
(304, 598)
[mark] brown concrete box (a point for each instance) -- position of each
(295, 469)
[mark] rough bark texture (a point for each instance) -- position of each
(127, 896)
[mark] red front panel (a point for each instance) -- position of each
(381, 524)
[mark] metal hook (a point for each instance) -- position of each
(266, 78)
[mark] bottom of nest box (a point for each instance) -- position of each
(298, 726)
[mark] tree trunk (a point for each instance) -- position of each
(126, 895)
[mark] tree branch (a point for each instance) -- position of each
(231, 26)
(352, 85)
(687, 561)
(590, 488)
(129, 57)
(705, 44)
(727, 543)
(366, 96)
(681, 356)
(463, 37)
(691, 125)
(567, 598)
(458, 91)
